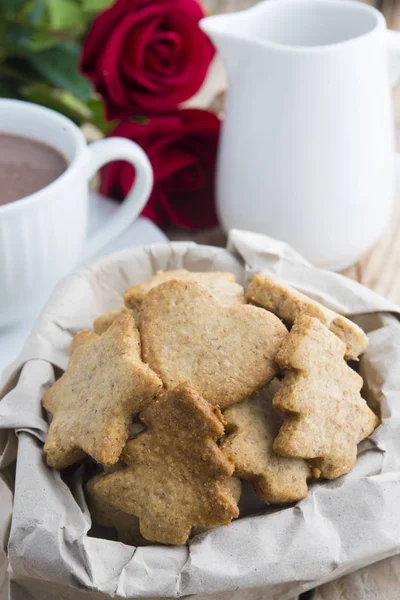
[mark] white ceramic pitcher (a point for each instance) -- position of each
(307, 147)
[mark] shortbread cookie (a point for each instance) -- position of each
(176, 475)
(92, 404)
(222, 285)
(235, 485)
(251, 429)
(104, 321)
(286, 302)
(325, 415)
(127, 526)
(103, 513)
(228, 352)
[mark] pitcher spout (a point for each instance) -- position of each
(226, 33)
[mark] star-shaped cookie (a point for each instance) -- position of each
(176, 475)
(251, 429)
(92, 403)
(228, 352)
(325, 416)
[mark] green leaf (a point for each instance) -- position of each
(14, 7)
(61, 101)
(18, 71)
(37, 14)
(40, 40)
(3, 36)
(98, 117)
(8, 89)
(70, 102)
(22, 40)
(59, 66)
(140, 119)
(23, 11)
(95, 6)
(17, 40)
(63, 14)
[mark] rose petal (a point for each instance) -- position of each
(108, 65)
(163, 52)
(101, 26)
(182, 150)
(137, 41)
(147, 55)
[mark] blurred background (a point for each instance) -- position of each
(71, 56)
(41, 48)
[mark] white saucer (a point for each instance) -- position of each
(141, 232)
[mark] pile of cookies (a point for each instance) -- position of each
(194, 385)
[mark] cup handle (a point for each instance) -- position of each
(393, 40)
(106, 151)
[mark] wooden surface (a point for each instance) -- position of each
(379, 270)
(223, 6)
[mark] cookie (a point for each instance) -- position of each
(103, 513)
(235, 485)
(288, 304)
(176, 475)
(228, 352)
(127, 526)
(104, 321)
(93, 402)
(222, 285)
(325, 416)
(251, 429)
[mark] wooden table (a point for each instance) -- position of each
(379, 270)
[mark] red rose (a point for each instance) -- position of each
(147, 55)
(182, 150)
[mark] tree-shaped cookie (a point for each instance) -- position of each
(127, 526)
(251, 429)
(176, 475)
(288, 304)
(92, 403)
(325, 415)
(228, 352)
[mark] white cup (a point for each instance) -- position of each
(307, 146)
(44, 235)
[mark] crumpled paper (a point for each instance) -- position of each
(271, 552)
